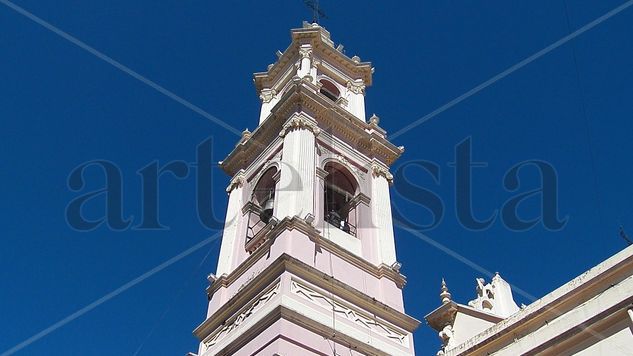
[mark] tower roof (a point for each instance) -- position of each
(318, 37)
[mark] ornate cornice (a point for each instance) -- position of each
(321, 46)
(287, 263)
(298, 122)
(302, 96)
(296, 223)
(382, 271)
(238, 320)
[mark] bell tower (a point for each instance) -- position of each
(308, 262)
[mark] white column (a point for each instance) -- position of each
(356, 98)
(381, 214)
(266, 96)
(304, 69)
(295, 190)
(232, 221)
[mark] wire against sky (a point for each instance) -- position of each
(171, 303)
(111, 295)
(511, 69)
(458, 257)
(120, 66)
(237, 132)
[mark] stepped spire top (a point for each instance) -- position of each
(445, 296)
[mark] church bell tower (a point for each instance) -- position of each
(308, 262)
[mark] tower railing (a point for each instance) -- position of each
(333, 218)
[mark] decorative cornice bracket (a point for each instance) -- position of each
(237, 182)
(298, 122)
(378, 170)
(266, 95)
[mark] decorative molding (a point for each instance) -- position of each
(357, 86)
(321, 173)
(286, 263)
(282, 312)
(305, 51)
(298, 122)
(250, 309)
(346, 163)
(378, 170)
(237, 182)
(341, 101)
(321, 45)
(271, 163)
(355, 316)
(266, 95)
(302, 96)
(329, 154)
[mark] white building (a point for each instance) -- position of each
(590, 315)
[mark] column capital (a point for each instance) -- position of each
(237, 181)
(298, 122)
(305, 51)
(357, 86)
(266, 95)
(378, 170)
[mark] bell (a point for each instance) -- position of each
(267, 210)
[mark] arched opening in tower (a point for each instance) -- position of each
(329, 89)
(340, 190)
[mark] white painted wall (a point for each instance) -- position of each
(381, 220)
(231, 230)
(619, 343)
(465, 327)
(343, 239)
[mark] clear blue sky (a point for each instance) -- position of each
(61, 106)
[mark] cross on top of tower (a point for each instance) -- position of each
(317, 13)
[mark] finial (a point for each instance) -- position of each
(374, 119)
(445, 296)
(245, 135)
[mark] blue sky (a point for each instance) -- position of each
(61, 106)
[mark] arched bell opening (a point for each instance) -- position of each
(329, 89)
(339, 204)
(264, 194)
(261, 207)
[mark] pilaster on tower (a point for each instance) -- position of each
(308, 259)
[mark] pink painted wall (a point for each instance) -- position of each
(299, 246)
(288, 339)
